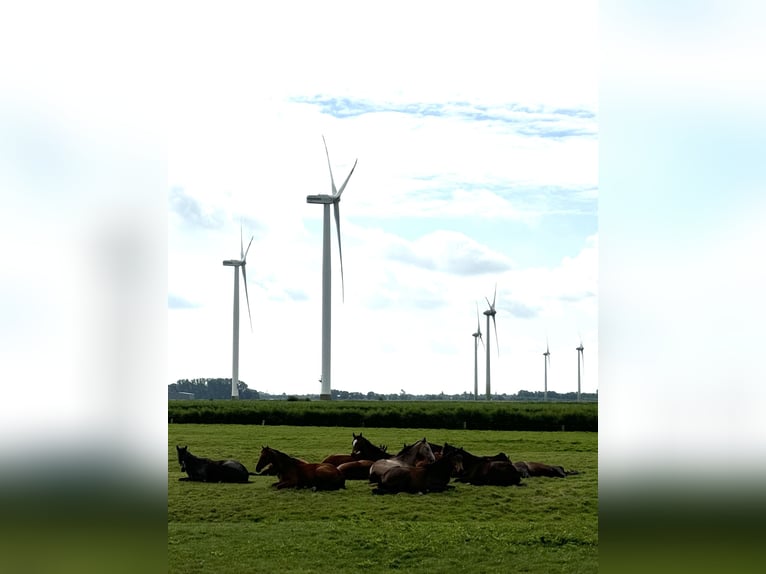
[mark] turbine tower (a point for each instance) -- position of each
(547, 360)
(476, 339)
(491, 313)
(327, 200)
(237, 263)
(580, 352)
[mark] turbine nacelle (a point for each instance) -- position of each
(233, 263)
(322, 199)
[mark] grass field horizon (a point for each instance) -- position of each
(548, 525)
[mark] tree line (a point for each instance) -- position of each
(219, 388)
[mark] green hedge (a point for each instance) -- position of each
(390, 414)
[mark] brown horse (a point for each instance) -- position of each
(432, 477)
(293, 473)
(356, 470)
(528, 469)
(408, 456)
(207, 470)
(495, 470)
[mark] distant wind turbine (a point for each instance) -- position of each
(491, 313)
(547, 360)
(476, 339)
(580, 353)
(327, 200)
(237, 263)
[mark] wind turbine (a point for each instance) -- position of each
(327, 200)
(580, 352)
(547, 360)
(491, 313)
(237, 263)
(476, 339)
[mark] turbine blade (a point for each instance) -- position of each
(497, 344)
(241, 250)
(494, 297)
(478, 322)
(482, 341)
(336, 208)
(342, 187)
(332, 180)
(244, 257)
(247, 297)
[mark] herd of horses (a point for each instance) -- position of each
(420, 467)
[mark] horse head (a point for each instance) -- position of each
(266, 458)
(182, 452)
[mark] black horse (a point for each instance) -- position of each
(495, 470)
(207, 470)
(432, 477)
(528, 469)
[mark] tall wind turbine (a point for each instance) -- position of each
(491, 313)
(547, 360)
(476, 339)
(327, 200)
(580, 352)
(237, 263)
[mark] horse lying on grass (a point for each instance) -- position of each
(418, 452)
(431, 477)
(528, 469)
(361, 450)
(495, 470)
(207, 470)
(294, 473)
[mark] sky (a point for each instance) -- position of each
(477, 147)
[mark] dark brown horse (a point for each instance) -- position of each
(432, 477)
(528, 469)
(408, 456)
(361, 449)
(207, 470)
(294, 473)
(495, 470)
(365, 453)
(365, 450)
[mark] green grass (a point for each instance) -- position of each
(549, 525)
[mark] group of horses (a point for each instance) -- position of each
(420, 467)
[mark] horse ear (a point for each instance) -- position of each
(353, 434)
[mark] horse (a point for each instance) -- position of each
(497, 470)
(356, 470)
(432, 477)
(207, 470)
(529, 469)
(365, 451)
(408, 456)
(293, 473)
(269, 469)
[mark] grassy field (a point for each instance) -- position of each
(549, 525)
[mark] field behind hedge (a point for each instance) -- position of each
(470, 415)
